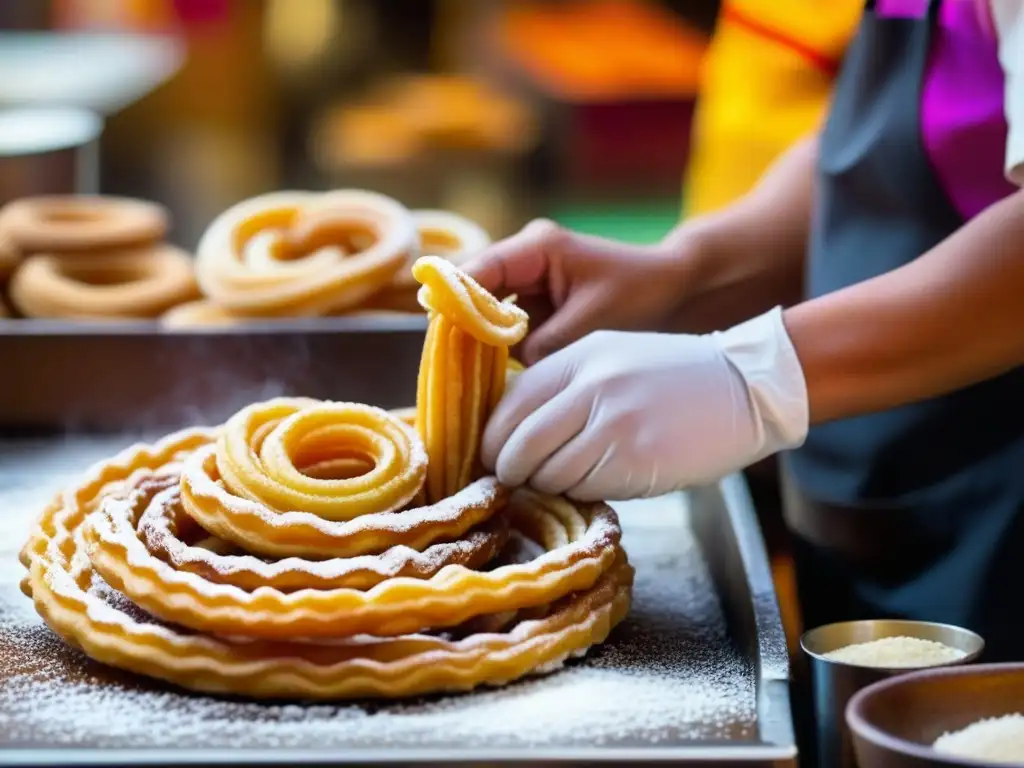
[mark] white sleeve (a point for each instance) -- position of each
(1008, 16)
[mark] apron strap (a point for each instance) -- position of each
(931, 14)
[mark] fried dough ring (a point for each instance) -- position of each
(291, 253)
(231, 493)
(448, 235)
(83, 223)
(118, 285)
(462, 372)
(581, 544)
(446, 290)
(163, 523)
(78, 606)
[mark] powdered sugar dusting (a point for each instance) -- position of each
(667, 675)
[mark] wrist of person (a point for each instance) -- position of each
(762, 354)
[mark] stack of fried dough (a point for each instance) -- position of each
(325, 550)
(91, 258)
(310, 254)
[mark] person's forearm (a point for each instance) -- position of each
(951, 318)
(749, 257)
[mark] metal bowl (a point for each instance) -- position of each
(835, 683)
(895, 722)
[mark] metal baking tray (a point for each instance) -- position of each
(697, 674)
(136, 376)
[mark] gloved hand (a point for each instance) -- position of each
(618, 416)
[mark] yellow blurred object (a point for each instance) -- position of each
(766, 83)
(297, 34)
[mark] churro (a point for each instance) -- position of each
(463, 370)
(140, 283)
(75, 601)
(170, 534)
(304, 254)
(441, 233)
(270, 507)
(580, 543)
(82, 223)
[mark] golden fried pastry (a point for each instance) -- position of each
(140, 283)
(304, 254)
(174, 537)
(254, 488)
(443, 234)
(200, 313)
(462, 372)
(82, 223)
(448, 291)
(580, 544)
(76, 602)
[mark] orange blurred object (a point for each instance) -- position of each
(604, 49)
(409, 115)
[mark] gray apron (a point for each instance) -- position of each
(917, 512)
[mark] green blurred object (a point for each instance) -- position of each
(641, 223)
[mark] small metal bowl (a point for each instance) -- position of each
(895, 722)
(835, 683)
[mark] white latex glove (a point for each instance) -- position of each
(619, 416)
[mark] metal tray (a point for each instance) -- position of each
(697, 675)
(136, 376)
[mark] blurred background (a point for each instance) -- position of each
(502, 110)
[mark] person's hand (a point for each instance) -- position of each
(628, 415)
(573, 284)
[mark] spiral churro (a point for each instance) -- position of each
(74, 600)
(222, 492)
(174, 537)
(304, 254)
(82, 223)
(139, 284)
(462, 373)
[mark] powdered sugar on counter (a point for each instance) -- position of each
(667, 675)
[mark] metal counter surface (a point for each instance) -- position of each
(696, 675)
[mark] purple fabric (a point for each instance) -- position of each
(963, 123)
